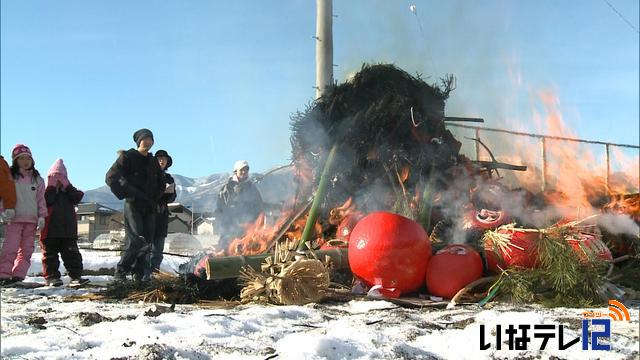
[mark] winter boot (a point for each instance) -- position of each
(5, 282)
(119, 276)
(79, 281)
(56, 282)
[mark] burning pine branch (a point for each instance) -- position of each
(563, 265)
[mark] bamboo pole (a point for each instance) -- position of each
(228, 267)
(319, 196)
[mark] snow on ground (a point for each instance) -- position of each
(100, 260)
(40, 324)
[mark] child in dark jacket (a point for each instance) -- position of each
(60, 233)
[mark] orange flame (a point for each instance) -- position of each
(573, 171)
(256, 240)
(625, 204)
(260, 237)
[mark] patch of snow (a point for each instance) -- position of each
(97, 260)
(359, 329)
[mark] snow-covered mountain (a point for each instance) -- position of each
(275, 187)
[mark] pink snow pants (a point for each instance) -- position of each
(19, 243)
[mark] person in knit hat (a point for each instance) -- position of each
(239, 203)
(60, 232)
(7, 191)
(137, 177)
(141, 134)
(162, 216)
(30, 212)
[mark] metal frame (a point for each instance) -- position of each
(543, 147)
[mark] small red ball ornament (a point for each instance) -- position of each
(452, 268)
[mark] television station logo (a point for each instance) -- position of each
(596, 332)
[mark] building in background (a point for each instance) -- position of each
(93, 219)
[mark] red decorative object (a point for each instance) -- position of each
(589, 243)
(389, 250)
(334, 244)
(451, 269)
(486, 219)
(518, 249)
(346, 226)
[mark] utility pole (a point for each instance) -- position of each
(324, 46)
(193, 208)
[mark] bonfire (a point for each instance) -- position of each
(379, 142)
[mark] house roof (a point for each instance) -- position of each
(178, 208)
(202, 220)
(93, 208)
(175, 218)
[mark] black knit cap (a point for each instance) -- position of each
(141, 134)
(165, 154)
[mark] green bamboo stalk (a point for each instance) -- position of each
(317, 200)
(489, 296)
(228, 267)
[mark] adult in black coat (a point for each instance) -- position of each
(162, 215)
(60, 232)
(239, 203)
(137, 177)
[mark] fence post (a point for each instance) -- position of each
(543, 138)
(544, 162)
(606, 176)
(477, 144)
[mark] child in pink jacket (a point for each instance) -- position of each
(30, 212)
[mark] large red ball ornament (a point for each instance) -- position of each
(452, 268)
(389, 250)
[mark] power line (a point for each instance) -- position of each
(622, 16)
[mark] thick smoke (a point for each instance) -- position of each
(619, 224)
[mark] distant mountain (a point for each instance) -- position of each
(275, 187)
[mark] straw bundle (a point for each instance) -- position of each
(289, 278)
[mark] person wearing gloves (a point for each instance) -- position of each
(7, 191)
(60, 232)
(162, 216)
(30, 212)
(239, 203)
(137, 177)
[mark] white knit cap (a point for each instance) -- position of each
(240, 164)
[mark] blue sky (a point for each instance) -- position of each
(216, 81)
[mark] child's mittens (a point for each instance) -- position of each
(40, 223)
